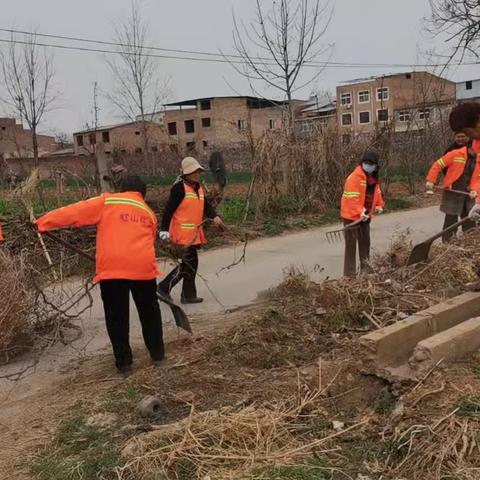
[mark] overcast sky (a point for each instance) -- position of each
(366, 31)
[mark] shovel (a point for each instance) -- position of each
(181, 319)
(421, 251)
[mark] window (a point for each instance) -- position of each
(206, 122)
(106, 137)
(205, 105)
(363, 96)
(382, 93)
(346, 119)
(364, 117)
(408, 76)
(92, 138)
(468, 85)
(108, 152)
(404, 116)
(190, 146)
(137, 133)
(138, 150)
(346, 139)
(382, 115)
(172, 128)
(189, 126)
(242, 124)
(123, 150)
(4, 128)
(272, 124)
(154, 148)
(80, 140)
(346, 99)
(424, 114)
(205, 144)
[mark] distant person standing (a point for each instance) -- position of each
(459, 141)
(182, 225)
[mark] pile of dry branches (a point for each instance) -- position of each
(15, 307)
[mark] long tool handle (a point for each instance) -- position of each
(69, 245)
(451, 227)
(451, 190)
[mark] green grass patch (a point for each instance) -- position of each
(312, 470)
(469, 407)
(81, 451)
(397, 203)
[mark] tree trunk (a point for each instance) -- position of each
(35, 146)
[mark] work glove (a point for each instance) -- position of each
(364, 217)
(429, 188)
(473, 194)
(378, 210)
(218, 222)
(474, 214)
(164, 236)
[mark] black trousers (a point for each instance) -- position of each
(451, 219)
(357, 236)
(186, 271)
(116, 303)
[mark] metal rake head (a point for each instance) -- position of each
(337, 236)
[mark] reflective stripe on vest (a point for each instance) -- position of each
(130, 202)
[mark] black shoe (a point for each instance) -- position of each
(191, 300)
(162, 293)
(159, 363)
(125, 371)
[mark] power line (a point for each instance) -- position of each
(223, 59)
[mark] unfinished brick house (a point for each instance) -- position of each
(409, 100)
(123, 138)
(16, 141)
(202, 123)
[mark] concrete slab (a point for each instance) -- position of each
(452, 344)
(393, 345)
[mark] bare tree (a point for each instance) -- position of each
(460, 21)
(138, 91)
(279, 43)
(28, 73)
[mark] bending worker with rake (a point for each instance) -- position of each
(182, 225)
(361, 199)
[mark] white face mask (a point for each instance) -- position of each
(368, 168)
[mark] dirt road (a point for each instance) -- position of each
(266, 261)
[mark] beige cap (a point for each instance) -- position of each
(190, 165)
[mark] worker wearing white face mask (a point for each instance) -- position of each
(361, 199)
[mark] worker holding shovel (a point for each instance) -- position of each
(461, 170)
(125, 262)
(182, 225)
(361, 200)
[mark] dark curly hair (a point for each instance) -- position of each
(465, 115)
(133, 183)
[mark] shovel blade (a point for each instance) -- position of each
(419, 253)
(180, 317)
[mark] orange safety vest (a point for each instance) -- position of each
(354, 194)
(126, 233)
(186, 224)
(455, 161)
(1, 233)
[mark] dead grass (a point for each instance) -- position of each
(16, 307)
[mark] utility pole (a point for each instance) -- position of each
(101, 168)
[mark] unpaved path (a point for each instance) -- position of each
(265, 263)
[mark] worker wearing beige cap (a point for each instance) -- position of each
(182, 225)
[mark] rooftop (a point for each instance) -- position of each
(255, 101)
(379, 77)
(107, 127)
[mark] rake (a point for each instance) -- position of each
(459, 192)
(335, 236)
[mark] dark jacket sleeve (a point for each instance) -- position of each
(209, 209)
(177, 194)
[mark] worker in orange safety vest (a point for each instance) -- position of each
(125, 262)
(461, 170)
(182, 225)
(361, 200)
